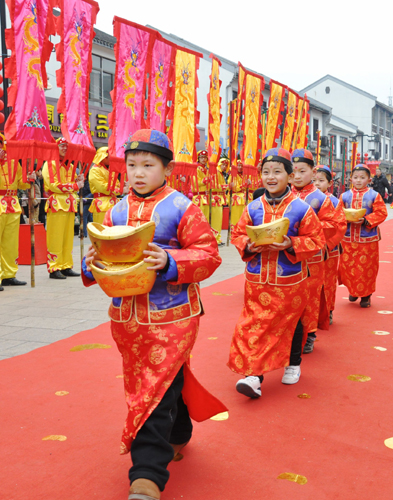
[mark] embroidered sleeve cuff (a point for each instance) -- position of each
(169, 273)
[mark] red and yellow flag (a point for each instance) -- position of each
(274, 115)
(236, 127)
(184, 115)
(304, 108)
(252, 126)
(214, 101)
(290, 120)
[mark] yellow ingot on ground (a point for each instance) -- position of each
(353, 214)
(124, 279)
(121, 243)
(266, 234)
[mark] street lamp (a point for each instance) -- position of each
(374, 138)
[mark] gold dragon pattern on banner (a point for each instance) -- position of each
(131, 66)
(32, 46)
(158, 91)
(75, 53)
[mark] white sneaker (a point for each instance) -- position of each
(249, 386)
(291, 375)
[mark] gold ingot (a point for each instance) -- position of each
(55, 437)
(389, 443)
(304, 396)
(220, 417)
(121, 243)
(85, 347)
(266, 234)
(61, 393)
(382, 349)
(359, 378)
(296, 478)
(353, 214)
(125, 279)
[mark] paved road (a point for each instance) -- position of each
(54, 310)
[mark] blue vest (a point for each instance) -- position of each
(367, 203)
(285, 270)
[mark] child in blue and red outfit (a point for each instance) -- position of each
(155, 331)
(359, 262)
(324, 181)
(269, 334)
(316, 314)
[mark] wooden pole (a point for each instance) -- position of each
(81, 230)
(32, 236)
(231, 112)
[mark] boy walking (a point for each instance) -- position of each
(155, 332)
(269, 334)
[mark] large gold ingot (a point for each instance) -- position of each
(353, 214)
(121, 243)
(124, 279)
(266, 234)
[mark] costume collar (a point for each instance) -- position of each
(151, 194)
(309, 188)
(274, 201)
(361, 190)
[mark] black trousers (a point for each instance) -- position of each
(170, 422)
(296, 349)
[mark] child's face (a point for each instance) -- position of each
(274, 177)
(321, 182)
(146, 172)
(303, 174)
(360, 179)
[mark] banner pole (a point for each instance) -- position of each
(231, 111)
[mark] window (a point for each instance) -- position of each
(102, 80)
(386, 152)
(315, 129)
(327, 90)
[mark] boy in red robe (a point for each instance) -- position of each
(316, 314)
(268, 334)
(324, 181)
(155, 331)
(359, 262)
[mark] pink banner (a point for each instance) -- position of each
(161, 70)
(75, 26)
(133, 50)
(27, 128)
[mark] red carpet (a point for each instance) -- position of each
(335, 438)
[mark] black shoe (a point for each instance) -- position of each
(221, 244)
(352, 299)
(12, 282)
(331, 318)
(56, 275)
(365, 301)
(1, 289)
(309, 345)
(69, 272)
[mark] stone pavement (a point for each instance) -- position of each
(54, 309)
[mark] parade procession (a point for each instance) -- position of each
(209, 246)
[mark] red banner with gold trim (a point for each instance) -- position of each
(75, 25)
(274, 115)
(214, 102)
(236, 127)
(290, 120)
(27, 128)
(303, 121)
(252, 126)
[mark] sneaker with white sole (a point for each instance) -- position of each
(291, 375)
(249, 386)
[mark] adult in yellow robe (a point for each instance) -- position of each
(238, 194)
(61, 207)
(218, 199)
(201, 196)
(10, 211)
(104, 198)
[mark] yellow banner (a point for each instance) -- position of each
(290, 121)
(303, 126)
(214, 112)
(184, 114)
(236, 127)
(274, 117)
(252, 125)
